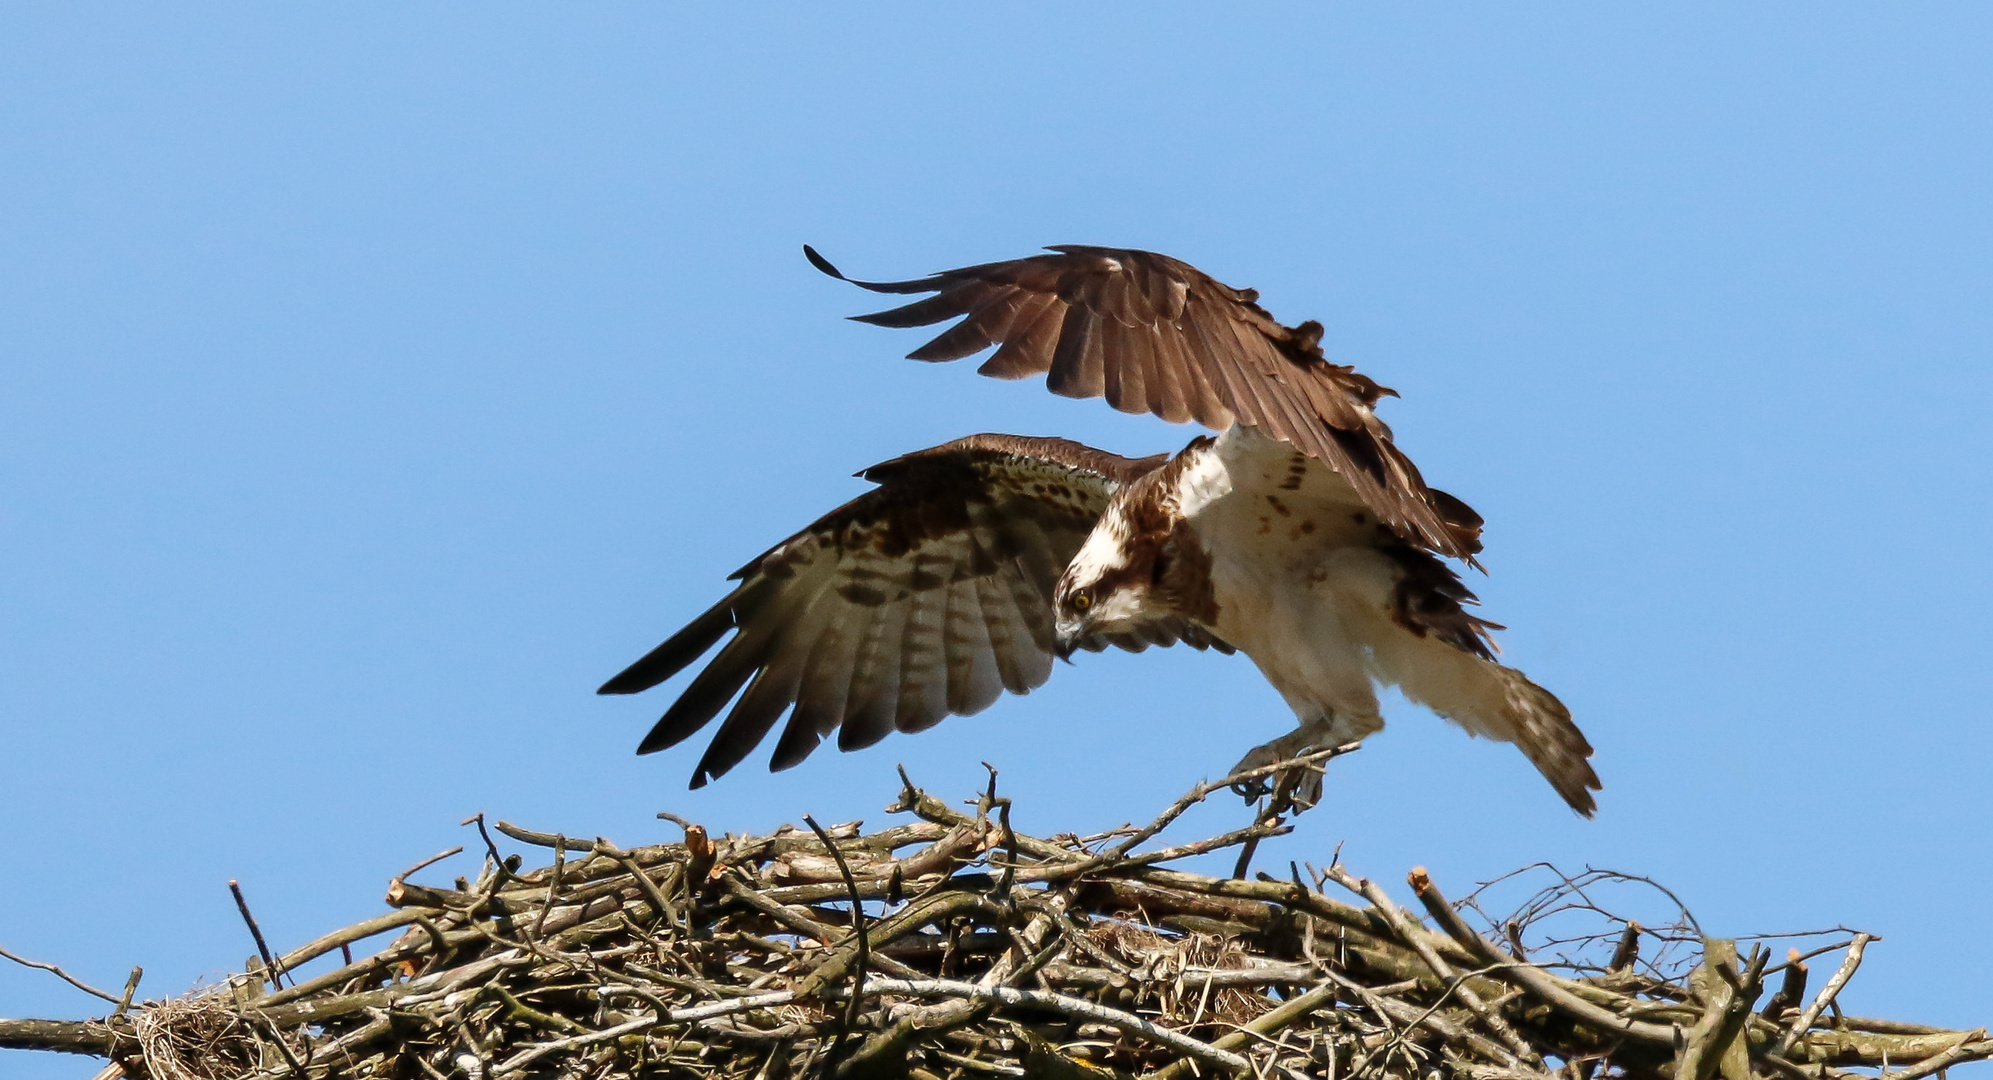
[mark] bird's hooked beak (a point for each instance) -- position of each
(1066, 635)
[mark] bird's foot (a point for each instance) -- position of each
(1295, 788)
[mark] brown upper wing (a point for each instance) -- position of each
(926, 597)
(1153, 334)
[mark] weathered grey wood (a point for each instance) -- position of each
(981, 951)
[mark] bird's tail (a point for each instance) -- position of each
(1499, 702)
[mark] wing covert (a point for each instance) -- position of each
(1153, 334)
(928, 596)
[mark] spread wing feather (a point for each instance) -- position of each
(1154, 334)
(926, 597)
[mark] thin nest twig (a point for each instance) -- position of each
(949, 946)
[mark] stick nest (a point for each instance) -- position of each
(951, 947)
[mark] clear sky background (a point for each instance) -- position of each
(375, 380)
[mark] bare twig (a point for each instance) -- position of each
(1938, 1062)
(1415, 937)
(60, 974)
(1534, 979)
(276, 973)
(131, 988)
(862, 952)
(996, 953)
(1827, 994)
(1079, 1008)
(1204, 790)
(428, 862)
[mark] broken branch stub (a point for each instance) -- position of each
(952, 946)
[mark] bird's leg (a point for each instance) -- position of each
(1296, 788)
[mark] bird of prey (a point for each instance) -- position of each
(1300, 535)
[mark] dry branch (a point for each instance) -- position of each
(952, 947)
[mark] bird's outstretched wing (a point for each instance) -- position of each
(1154, 334)
(926, 597)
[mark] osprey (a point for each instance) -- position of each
(1300, 536)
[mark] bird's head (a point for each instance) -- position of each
(1105, 589)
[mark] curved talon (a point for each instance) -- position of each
(1252, 790)
(1299, 789)
(1294, 788)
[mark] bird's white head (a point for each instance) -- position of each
(1106, 587)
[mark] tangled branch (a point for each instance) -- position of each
(951, 946)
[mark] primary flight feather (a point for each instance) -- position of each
(1300, 536)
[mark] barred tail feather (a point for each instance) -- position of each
(1498, 702)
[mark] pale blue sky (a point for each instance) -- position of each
(375, 380)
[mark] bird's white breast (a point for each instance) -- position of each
(1299, 583)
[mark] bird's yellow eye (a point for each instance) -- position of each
(1082, 601)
